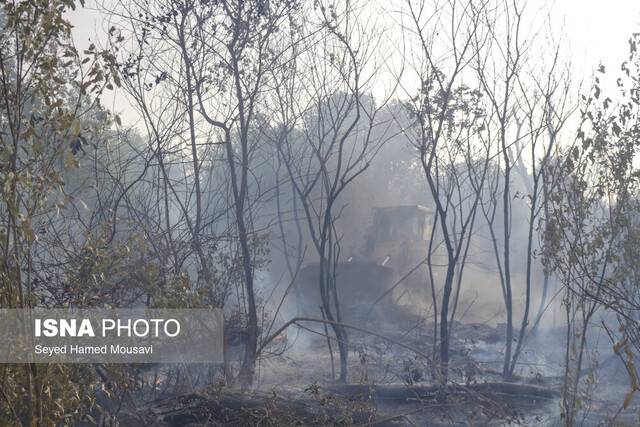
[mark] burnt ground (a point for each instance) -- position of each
(392, 385)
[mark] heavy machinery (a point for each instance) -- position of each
(388, 275)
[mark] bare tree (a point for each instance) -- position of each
(216, 57)
(450, 137)
(334, 143)
(528, 108)
(241, 38)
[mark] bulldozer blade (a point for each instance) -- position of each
(360, 286)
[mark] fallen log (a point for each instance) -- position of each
(406, 392)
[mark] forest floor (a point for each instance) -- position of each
(392, 384)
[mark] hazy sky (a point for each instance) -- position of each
(596, 30)
(599, 29)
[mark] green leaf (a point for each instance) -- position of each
(69, 162)
(627, 399)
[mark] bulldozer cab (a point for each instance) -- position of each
(398, 231)
(400, 223)
(393, 250)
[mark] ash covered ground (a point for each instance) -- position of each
(391, 382)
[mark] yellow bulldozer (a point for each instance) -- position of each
(389, 272)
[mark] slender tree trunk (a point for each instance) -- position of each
(506, 222)
(444, 323)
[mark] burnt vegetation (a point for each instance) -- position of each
(410, 214)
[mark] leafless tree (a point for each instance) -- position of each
(450, 137)
(528, 108)
(334, 142)
(198, 73)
